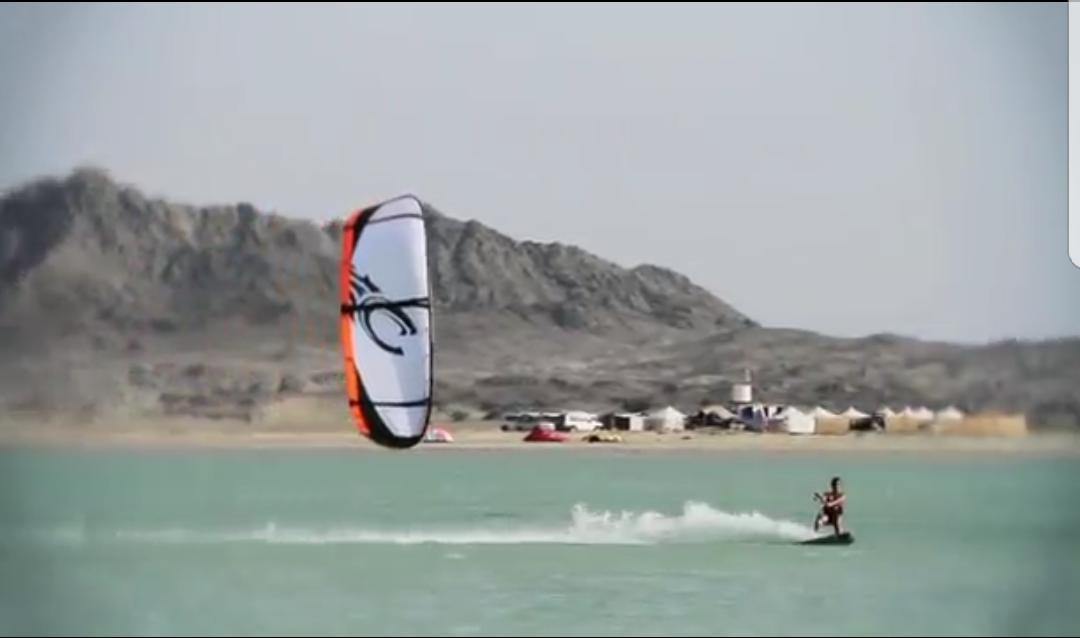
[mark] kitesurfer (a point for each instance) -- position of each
(832, 506)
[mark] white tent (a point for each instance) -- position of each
(821, 413)
(852, 413)
(797, 422)
(665, 419)
(950, 414)
(629, 422)
(923, 414)
(887, 412)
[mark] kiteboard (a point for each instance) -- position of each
(832, 539)
(386, 324)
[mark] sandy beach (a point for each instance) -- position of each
(168, 433)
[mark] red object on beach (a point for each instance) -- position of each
(544, 435)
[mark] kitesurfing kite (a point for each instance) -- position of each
(386, 322)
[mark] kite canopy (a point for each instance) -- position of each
(386, 322)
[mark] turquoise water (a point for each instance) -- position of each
(551, 542)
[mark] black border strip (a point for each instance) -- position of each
(400, 404)
(396, 217)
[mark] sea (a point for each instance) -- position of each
(537, 542)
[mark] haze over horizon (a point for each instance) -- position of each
(847, 170)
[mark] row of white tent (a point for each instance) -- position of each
(795, 420)
(919, 414)
(799, 422)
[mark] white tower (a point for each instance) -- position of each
(743, 393)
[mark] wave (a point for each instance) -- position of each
(698, 523)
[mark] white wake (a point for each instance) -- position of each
(698, 522)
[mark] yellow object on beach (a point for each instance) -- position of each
(603, 437)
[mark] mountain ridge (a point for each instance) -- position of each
(95, 271)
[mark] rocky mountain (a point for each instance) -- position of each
(112, 302)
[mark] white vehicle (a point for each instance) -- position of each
(577, 422)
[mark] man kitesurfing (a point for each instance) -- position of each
(832, 506)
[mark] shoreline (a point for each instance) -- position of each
(493, 440)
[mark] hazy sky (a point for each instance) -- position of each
(846, 169)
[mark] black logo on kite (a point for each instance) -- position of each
(367, 299)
